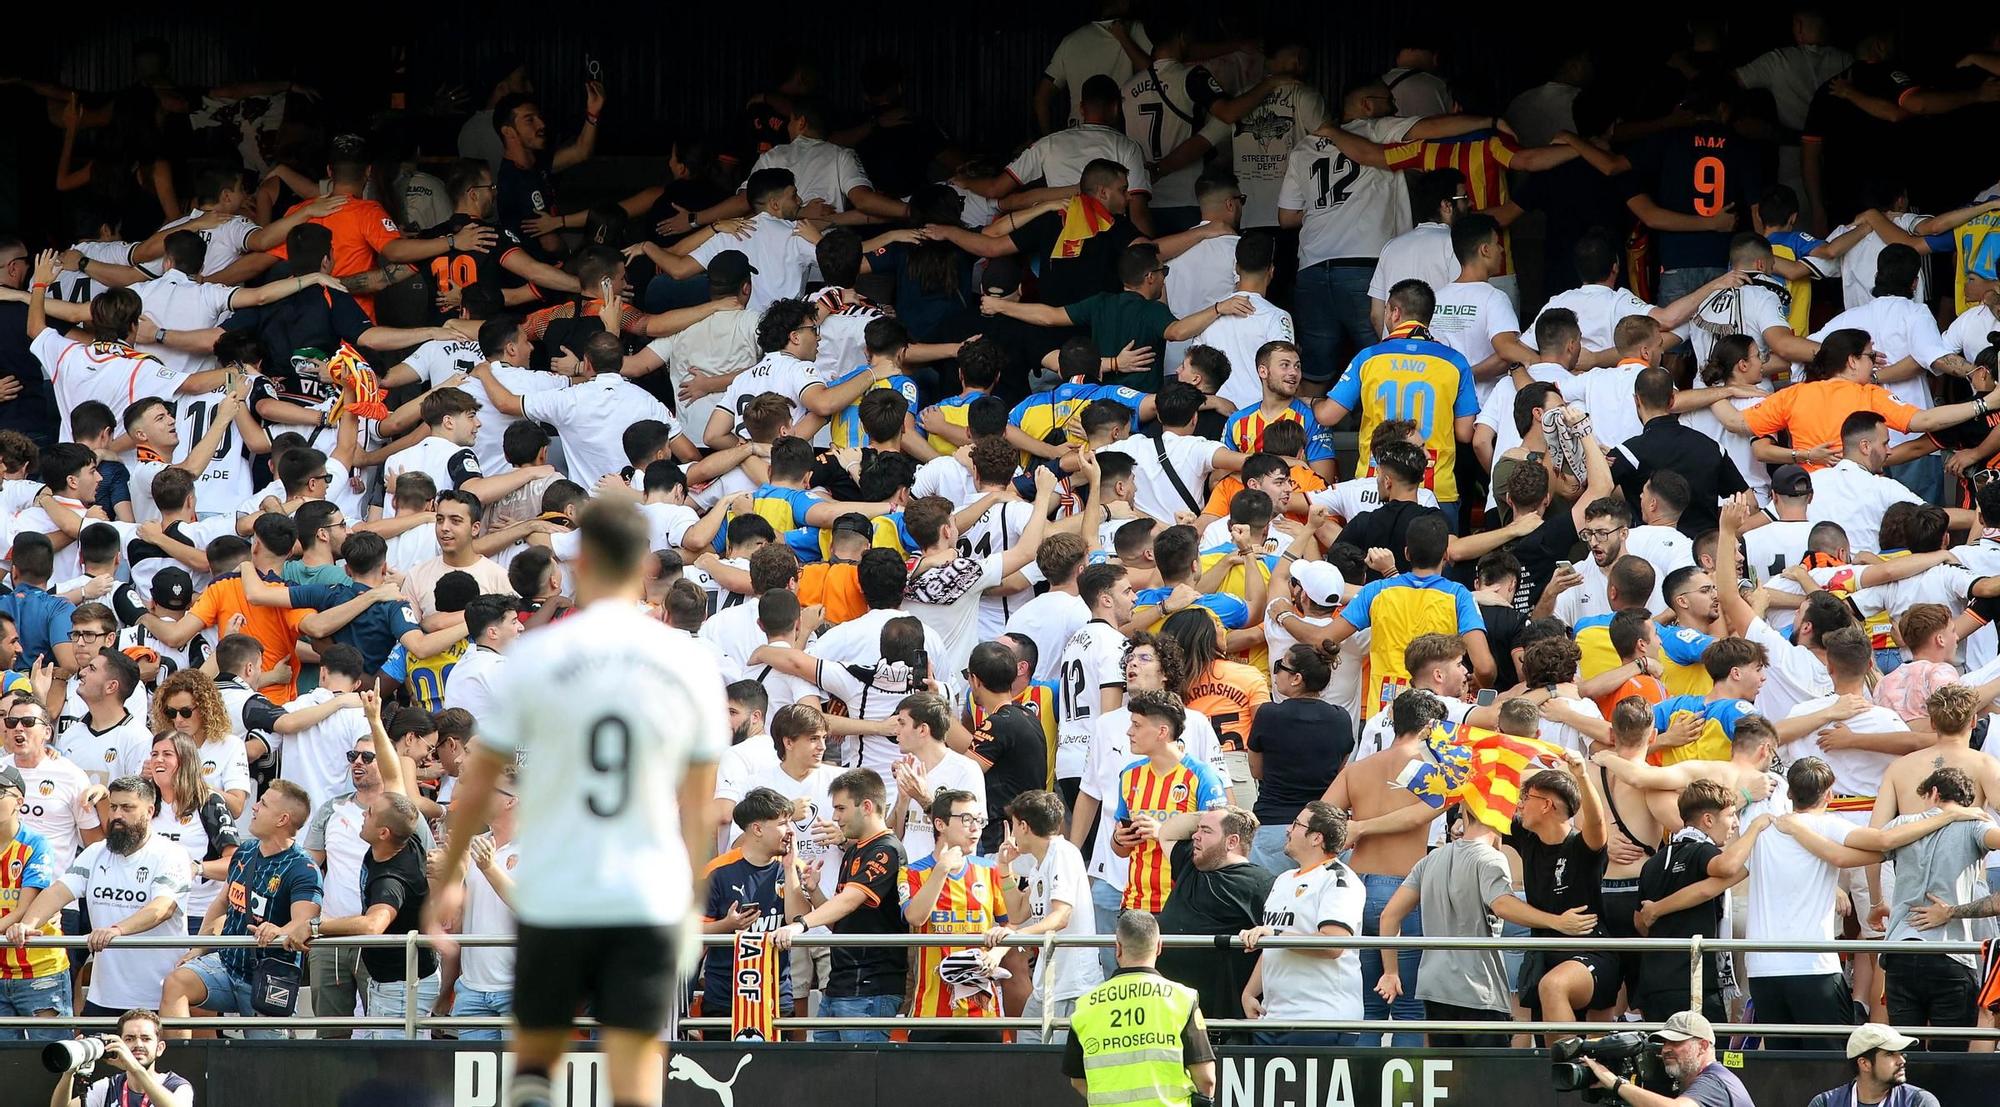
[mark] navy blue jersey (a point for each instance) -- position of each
(733, 881)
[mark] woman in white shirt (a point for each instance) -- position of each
(189, 704)
(1738, 359)
(193, 815)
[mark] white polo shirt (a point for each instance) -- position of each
(1057, 159)
(782, 259)
(179, 303)
(475, 681)
(1239, 337)
(722, 343)
(316, 758)
(1855, 498)
(1967, 333)
(1202, 275)
(489, 443)
(226, 243)
(1598, 311)
(822, 170)
(592, 417)
(1421, 253)
(777, 372)
(114, 887)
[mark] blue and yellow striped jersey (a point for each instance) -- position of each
(955, 411)
(1718, 732)
(784, 508)
(1978, 245)
(1797, 246)
(1409, 376)
(1052, 410)
(845, 426)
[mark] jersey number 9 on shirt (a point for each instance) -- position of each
(611, 759)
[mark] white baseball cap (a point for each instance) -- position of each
(1321, 581)
(1871, 1036)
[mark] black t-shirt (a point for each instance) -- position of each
(897, 158)
(1066, 280)
(1227, 900)
(459, 269)
(1503, 629)
(1697, 170)
(317, 318)
(1574, 198)
(1681, 862)
(877, 866)
(1539, 550)
(401, 883)
(33, 412)
(1303, 742)
(1014, 753)
(1559, 877)
(1666, 443)
(1855, 147)
(1385, 526)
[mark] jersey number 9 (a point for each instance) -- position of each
(611, 759)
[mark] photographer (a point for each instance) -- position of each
(1688, 1053)
(133, 1053)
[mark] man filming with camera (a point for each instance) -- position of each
(134, 1053)
(1687, 1051)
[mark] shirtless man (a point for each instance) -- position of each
(1640, 820)
(1953, 711)
(1385, 849)
(1747, 772)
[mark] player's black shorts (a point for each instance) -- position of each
(1605, 973)
(625, 974)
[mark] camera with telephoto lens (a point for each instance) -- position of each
(78, 1053)
(1630, 1054)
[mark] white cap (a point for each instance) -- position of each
(1871, 1036)
(1321, 581)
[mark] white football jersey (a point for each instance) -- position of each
(1093, 657)
(605, 710)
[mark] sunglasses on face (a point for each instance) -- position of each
(18, 722)
(179, 712)
(363, 756)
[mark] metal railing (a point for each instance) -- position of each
(411, 1022)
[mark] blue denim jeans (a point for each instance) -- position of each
(1267, 848)
(1105, 903)
(1924, 476)
(385, 1001)
(32, 998)
(1330, 309)
(1888, 661)
(1408, 1007)
(228, 994)
(1676, 283)
(471, 1003)
(1304, 1038)
(857, 1007)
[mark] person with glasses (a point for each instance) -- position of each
(1583, 591)
(334, 841)
(1322, 896)
(1422, 253)
(188, 703)
(193, 816)
(63, 807)
(487, 253)
(953, 892)
(108, 736)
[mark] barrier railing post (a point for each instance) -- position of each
(1045, 963)
(1694, 973)
(410, 985)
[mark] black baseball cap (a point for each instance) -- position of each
(854, 523)
(1791, 480)
(729, 269)
(173, 588)
(10, 777)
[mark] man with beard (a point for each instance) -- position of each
(134, 1052)
(132, 883)
(1876, 1052)
(525, 193)
(1279, 372)
(505, 265)
(1688, 1049)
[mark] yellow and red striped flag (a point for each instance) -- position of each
(755, 985)
(1483, 769)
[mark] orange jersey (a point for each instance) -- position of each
(1229, 693)
(1305, 482)
(835, 587)
(1143, 790)
(360, 229)
(969, 904)
(276, 628)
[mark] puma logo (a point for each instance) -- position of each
(682, 1067)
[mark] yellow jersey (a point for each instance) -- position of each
(1409, 375)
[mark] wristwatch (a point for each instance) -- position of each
(312, 930)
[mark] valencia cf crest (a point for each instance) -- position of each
(14, 870)
(141, 873)
(110, 756)
(48, 787)
(1180, 793)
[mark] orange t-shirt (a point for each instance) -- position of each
(277, 628)
(1304, 480)
(360, 229)
(1814, 411)
(1645, 687)
(838, 587)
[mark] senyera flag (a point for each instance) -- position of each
(1483, 769)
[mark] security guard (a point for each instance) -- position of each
(1139, 1033)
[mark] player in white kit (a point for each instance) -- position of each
(608, 714)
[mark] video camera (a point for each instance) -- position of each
(1630, 1054)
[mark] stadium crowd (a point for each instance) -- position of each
(1010, 492)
